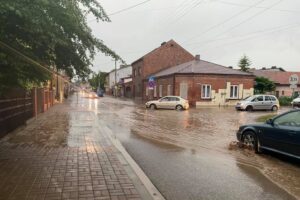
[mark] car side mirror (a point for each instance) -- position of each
(269, 121)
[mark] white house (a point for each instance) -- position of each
(123, 72)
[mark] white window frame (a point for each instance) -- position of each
(234, 92)
(204, 91)
(169, 90)
(160, 90)
(147, 91)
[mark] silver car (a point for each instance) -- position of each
(258, 102)
(169, 102)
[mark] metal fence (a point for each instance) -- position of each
(15, 108)
(18, 105)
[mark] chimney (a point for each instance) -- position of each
(230, 67)
(197, 57)
(274, 67)
(162, 43)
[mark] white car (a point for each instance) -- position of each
(296, 102)
(169, 102)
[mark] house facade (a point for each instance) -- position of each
(115, 77)
(202, 83)
(281, 80)
(168, 54)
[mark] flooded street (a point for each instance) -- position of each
(186, 154)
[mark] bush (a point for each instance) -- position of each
(285, 101)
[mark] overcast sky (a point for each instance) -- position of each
(221, 31)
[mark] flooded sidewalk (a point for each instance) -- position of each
(64, 154)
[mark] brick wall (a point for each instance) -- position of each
(167, 55)
(164, 82)
(217, 82)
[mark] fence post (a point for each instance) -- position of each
(34, 101)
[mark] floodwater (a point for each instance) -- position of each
(186, 153)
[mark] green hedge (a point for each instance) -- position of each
(285, 101)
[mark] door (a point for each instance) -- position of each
(173, 102)
(184, 90)
(268, 103)
(284, 133)
(163, 103)
(258, 103)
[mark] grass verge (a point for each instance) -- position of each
(264, 118)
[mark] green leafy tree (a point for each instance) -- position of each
(53, 33)
(263, 85)
(98, 80)
(244, 63)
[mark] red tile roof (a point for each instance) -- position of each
(276, 76)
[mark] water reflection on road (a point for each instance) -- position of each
(186, 153)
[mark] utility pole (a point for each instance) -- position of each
(115, 77)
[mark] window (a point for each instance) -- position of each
(169, 90)
(259, 98)
(174, 99)
(165, 99)
(147, 91)
(154, 95)
(160, 90)
(273, 98)
(234, 92)
(140, 70)
(134, 73)
(268, 98)
(206, 91)
(289, 119)
(282, 92)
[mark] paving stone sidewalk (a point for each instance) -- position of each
(63, 155)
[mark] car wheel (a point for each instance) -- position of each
(249, 108)
(179, 107)
(250, 139)
(274, 108)
(152, 106)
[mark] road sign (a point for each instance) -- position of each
(151, 83)
(294, 79)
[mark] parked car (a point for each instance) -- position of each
(258, 102)
(169, 102)
(280, 134)
(296, 102)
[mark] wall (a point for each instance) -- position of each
(285, 90)
(167, 55)
(160, 81)
(121, 73)
(220, 90)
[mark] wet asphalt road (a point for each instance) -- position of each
(186, 155)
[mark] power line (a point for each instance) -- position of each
(249, 18)
(244, 5)
(124, 9)
(196, 4)
(252, 37)
(252, 33)
(226, 20)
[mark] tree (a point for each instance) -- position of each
(244, 63)
(53, 33)
(263, 85)
(98, 80)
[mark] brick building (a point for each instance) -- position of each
(167, 55)
(202, 83)
(281, 80)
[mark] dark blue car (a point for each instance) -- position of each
(280, 134)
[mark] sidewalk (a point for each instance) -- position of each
(65, 154)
